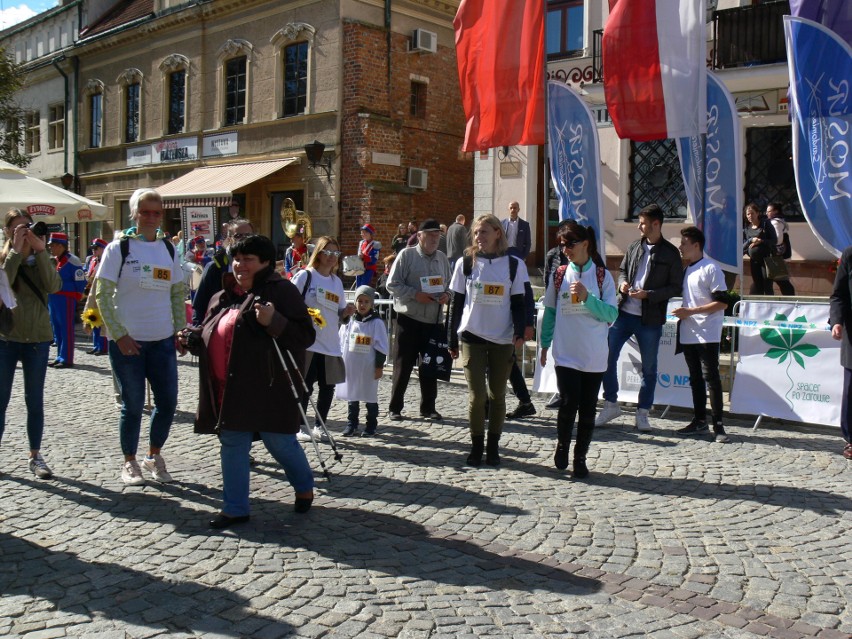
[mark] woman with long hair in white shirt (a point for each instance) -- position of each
(488, 317)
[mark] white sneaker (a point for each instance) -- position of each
(39, 467)
(642, 424)
(157, 467)
(131, 474)
(610, 411)
(302, 436)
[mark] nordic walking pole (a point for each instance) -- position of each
(302, 411)
(337, 455)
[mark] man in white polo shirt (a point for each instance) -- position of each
(705, 298)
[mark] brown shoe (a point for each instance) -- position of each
(847, 451)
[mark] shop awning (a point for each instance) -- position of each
(215, 185)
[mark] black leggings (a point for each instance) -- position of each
(579, 393)
(316, 374)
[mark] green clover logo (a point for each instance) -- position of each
(785, 346)
(146, 268)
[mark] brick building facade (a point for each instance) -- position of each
(388, 126)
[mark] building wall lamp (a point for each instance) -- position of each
(315, 152)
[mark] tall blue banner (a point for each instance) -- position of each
(712, 175)
(820, 65)
(575, 159)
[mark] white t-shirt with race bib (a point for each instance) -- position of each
(143, 294)
(487, 313)
(326, 294)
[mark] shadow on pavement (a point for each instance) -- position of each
(104, 590)
(393, 545)
(816, 501)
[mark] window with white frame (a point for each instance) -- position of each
(32, 135)
(234, 82)
(175, 68)
(56, 126)
(293, 52)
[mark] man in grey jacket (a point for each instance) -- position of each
(418, 281)
(457, 240)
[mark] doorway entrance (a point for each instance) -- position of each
(277, 235)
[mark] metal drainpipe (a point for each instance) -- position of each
(388, 30)
(64, 75)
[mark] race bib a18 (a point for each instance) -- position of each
(327, 298)
(360, 343)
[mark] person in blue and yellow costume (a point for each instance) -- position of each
(63, 303)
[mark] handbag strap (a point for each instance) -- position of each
(29, 282)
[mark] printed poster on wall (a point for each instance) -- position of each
(788, 373)
(199, 221)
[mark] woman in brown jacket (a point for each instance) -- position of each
(244, 389)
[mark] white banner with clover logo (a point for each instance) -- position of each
(788, 373)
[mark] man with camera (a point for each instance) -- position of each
(63, 303)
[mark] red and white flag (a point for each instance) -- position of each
(500, 51)
(654, 67)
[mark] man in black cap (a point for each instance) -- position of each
(418, 281)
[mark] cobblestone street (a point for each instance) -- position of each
(667, 538)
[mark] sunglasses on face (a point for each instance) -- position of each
(569, 243)
(241, 236)
(330, 253)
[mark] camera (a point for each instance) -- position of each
(38, 228)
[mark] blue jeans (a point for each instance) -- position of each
(33, 358)
(156, 362)
(648, 339)
(234, 451)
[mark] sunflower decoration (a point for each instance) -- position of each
(92, 318)
(316, 315)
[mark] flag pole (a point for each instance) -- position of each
(545, 152)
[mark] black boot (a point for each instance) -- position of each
(581, 448)
(477, 447)
(563, 445)
(492, 456)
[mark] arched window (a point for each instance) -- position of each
(234, 79)
(130, 82)
(93, 94)
(294, 45)
(175, 70)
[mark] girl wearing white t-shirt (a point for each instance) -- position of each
(579, 306)
(322, 290)
(488, 317)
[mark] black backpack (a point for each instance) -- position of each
(787, 251)
(467, 267)
(124, 244)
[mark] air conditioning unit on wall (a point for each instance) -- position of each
(422, 40)
(417, 178)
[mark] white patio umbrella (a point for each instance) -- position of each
(43, 201)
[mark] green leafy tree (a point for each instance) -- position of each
(11, 114)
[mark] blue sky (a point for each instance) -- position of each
(13, 12)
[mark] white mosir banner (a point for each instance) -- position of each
(788, 373)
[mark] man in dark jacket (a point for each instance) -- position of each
(840, 319)
(650, 274)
